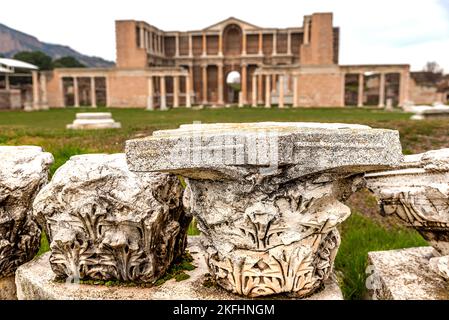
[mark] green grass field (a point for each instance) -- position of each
(365, 231)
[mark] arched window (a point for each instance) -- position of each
(232, 38)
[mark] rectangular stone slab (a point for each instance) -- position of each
(405, 275)
(230, 150)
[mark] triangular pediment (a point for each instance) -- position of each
(223, 24)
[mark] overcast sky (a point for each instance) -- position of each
(372, 31)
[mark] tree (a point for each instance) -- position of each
(67, 62)
(2, 55)
(38, 58)
(433, 67)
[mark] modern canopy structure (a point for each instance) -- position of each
(12, 67)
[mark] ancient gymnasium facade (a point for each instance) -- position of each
(297, 66)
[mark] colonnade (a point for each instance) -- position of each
(162, 76)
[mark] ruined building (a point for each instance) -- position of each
(296, 66)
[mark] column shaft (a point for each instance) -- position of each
(267, 91)
(163, 94)
(76, 92)
(176, 92)
(7, 83)
(177, 45)
(254, 91)
(204, 45)
(188, 92)
(295, 91)
(289, 43)
(220, 44)
(361, 89)
(260, 43)
(244, 84)
(260, 89)
(244, 44)
(204, 84)
(150, 102)
(275, 44)
(281, 91)
(190, 45)
(93, 93)
(382, 90)
(220, 84)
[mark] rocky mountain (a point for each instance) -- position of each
(13, 41)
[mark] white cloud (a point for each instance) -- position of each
(372, 31)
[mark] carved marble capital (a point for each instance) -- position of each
(267, 196)
(23, 172)
(107, 223)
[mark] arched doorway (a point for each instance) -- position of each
(233, 86)
(232, 39)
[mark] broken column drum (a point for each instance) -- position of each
(107, 223)
(267, 196)
(417, 193)
(23, 172)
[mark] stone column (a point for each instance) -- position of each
(142, 37)
(403, 88)
(382, 90)
(188, 92)
(43, 85)
(150, 102)
(220, 44)
(260, 43)
(76, 92)
(204, 44)
(295, 91)
(267, 91)
(289, 43)
(343, 89)
(177, 45)
(176, 92)
(281, 91)
(306, 30)
(260, 89)
(274, 83)
(244, 44)
(244, 84)
(7, 83)
(269, 220)
(204, 73)
(146, 40)
(361, 89)
(254, 93)
(93, 93)
(150, 42)
(163, 94)
(220, 84)
(35, 78)
(275, 43)
(192, 87)
(108, 94)
(190, 45)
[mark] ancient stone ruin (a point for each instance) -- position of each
(417, 193)
(267, 196)
(94, 120)
(107, 223)
(23, 172)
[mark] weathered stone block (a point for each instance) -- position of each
(105, 222)
(267, 196)
(405, 274)
(23, 172)
(417, 192)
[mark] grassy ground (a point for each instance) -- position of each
(365, 231)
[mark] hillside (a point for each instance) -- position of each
(13, 41)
